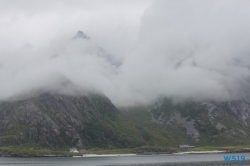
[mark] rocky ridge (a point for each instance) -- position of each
(55, 120)
(205, 122)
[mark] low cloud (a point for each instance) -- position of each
(181, 49)
(191, 49)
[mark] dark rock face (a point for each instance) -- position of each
(54, 120)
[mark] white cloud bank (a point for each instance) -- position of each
(183, 49)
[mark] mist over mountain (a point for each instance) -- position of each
(179, 49)
(143, 74)
(80, 35)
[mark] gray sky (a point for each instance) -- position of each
(175, 48)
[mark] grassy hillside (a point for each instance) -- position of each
(134, 128)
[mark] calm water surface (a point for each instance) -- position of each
(142, 160)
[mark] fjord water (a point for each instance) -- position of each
(139, 160)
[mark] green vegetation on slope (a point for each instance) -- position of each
(58, 122)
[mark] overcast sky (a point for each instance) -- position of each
(186, 49)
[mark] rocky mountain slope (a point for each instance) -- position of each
(87, 121)
(205, 123)
(55, 120)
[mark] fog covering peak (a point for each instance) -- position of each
(81, 35)
(181, 49)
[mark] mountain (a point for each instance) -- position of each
(204, 123)
(55, 120)
(52, 120)
(63, 116)
(59, 121)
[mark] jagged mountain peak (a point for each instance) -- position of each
(81, 35)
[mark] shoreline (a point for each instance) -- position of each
(107, 155)
(203, 152)
(247, 150)
(148, 154)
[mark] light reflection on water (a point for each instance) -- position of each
(151, 160)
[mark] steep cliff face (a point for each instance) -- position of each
(55, 120)
(208, 123)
